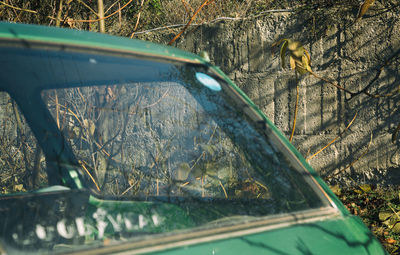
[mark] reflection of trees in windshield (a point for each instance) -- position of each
(262, 170)
(21, 159)
(168, 139)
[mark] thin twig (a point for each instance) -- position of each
(138, 19)
(353, 94)
(295, 109)
(396, 131)
(352, 163)
(21, 132)
(17, 15)
(106, 17)
(394, 211)
(222, 186)
(215, 20)
(261, 185)
(158, 100)
(129, 188)
(82, 163)
(331, 82)
(112, 5)
(17, 8)
(25, 10)
(88, 7)
(326, 146)
(190, 21)
(57, 109)
(186, 7)
(119, 16)
(364, 90)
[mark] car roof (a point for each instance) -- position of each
(52, 35)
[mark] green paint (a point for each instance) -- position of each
(344, 235)
(73, 37)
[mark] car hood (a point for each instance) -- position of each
(339, 235)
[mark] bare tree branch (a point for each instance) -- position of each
(106, 17)
(352, 163)
(138, 19)
(296, 108)
(333, 140)
(190, 21)
(378, 73)
(17, 8)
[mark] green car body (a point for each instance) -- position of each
(324, 228)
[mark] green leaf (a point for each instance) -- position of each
(301, 70)
(209, 148)
(364, 8)
(385, 215)
(85, 123)
(295, 46)
(298, 53)
(92, 127)
(19, 187)
(308, 57)
(283, 52)
(182, 172)
(365, 187)
(292, 63)
(76, 130)
(336, 189)
(396, 228)
(306, 63)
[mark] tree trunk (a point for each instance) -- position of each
(100, 7)
(59, 13)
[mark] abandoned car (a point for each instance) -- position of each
(117, 146)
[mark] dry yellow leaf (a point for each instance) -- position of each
(292, 63)
(19, 187)
(365, 187)
(364, 8)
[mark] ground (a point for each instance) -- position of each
(379, 208)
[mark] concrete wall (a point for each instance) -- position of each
(346, 52)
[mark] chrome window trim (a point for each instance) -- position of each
(189, 237)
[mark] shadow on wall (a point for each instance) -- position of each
(352, 54)
(355, 55)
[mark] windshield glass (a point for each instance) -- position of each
(178, 136)
(160, 146)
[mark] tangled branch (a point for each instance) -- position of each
(364, 90)
(352, 163)
(333, 140)
(17, 8)
(104, 18)
(190, 21)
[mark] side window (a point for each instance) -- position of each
(22, 164)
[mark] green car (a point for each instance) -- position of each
(116, 146)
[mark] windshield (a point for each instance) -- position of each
(160, 147)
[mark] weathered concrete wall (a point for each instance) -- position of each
(349, 53)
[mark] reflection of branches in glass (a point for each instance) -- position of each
(20, 157)
(169, 139)
(97, 118)
(102, 124)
